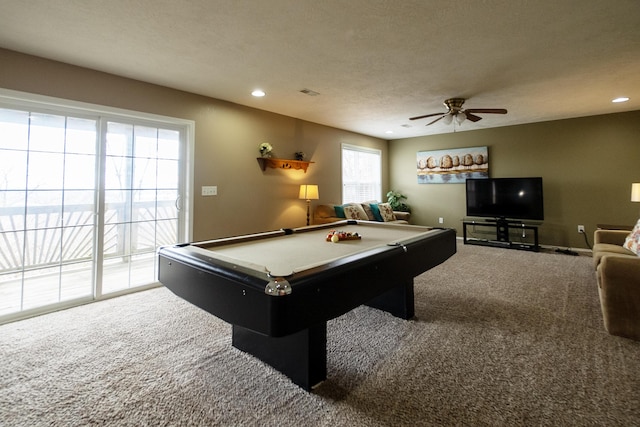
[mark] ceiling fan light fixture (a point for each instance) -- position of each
(454, 107)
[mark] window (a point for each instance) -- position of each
(85, 200)
(361, 174)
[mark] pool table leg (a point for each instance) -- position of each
(301, 356)
(397, 301)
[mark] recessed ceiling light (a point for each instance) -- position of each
(621, 99)
(389, 131)
(258, 93)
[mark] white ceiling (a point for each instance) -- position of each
(375, 63)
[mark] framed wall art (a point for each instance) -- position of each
(452, 166)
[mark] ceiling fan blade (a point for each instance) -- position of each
(428, 115)
(472, 117)
(439, 118)
(487, 110)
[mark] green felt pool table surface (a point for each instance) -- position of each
(286, 254)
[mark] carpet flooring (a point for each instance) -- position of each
(500, 338)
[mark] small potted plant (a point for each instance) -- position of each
(265, 149)
(299, 155)
(396, 200)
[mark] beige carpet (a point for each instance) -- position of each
(501, 338)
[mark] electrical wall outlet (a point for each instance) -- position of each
(441, 220)
(581, 229)
(209, 190)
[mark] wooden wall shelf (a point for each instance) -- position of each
(265, 162)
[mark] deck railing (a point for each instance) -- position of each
(45, 235)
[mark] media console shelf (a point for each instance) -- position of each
(503, 232)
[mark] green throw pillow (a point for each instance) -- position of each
(376, 212)
(339, 211)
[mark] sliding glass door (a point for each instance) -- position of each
(84, 203)
(47, 204)
(142, 187)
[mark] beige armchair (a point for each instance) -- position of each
(618, 275)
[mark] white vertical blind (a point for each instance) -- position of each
(361, 174)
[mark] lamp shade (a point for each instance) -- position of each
(635, 192)
(309, 192)
(447, 119)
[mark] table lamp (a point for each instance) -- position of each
(308, 193)
(635, 192)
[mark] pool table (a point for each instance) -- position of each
(278, 289)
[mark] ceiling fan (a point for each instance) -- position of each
(454, 107)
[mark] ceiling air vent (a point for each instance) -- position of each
(310, 92)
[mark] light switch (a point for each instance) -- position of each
(209, 190)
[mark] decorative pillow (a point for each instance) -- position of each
(632, 242)
(375, 209)
(368, 211)
(355, 211)
(386, 212)
(339, 211)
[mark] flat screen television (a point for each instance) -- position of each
(505, 198)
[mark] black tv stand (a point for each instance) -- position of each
(503, 229)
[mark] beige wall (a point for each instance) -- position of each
(587, 165)
(226, 144)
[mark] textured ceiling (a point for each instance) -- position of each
(374, 63)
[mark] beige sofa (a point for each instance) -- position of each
(326, 213)
(618, 274)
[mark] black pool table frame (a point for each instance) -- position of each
(288, 330)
